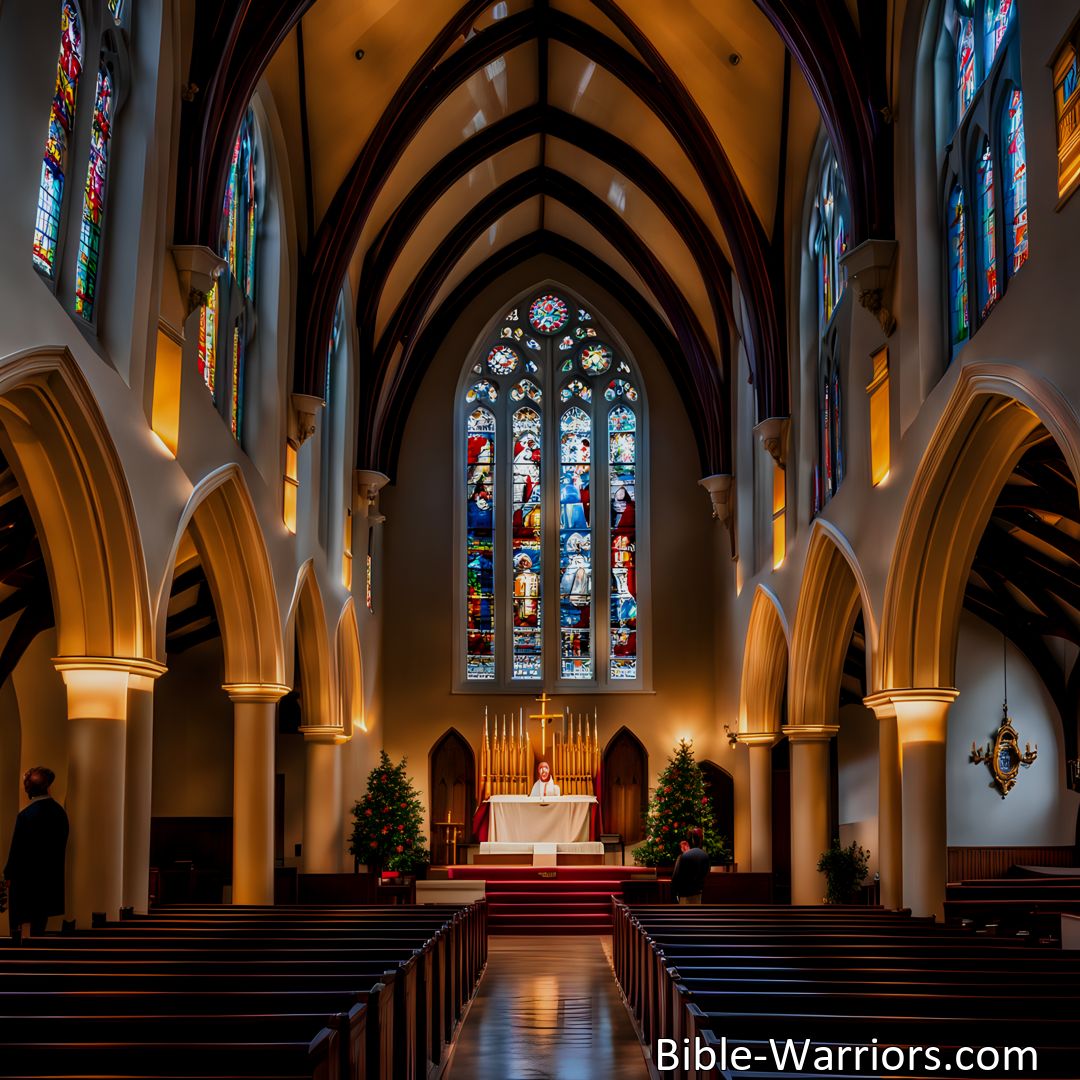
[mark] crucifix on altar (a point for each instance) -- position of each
(544, 716)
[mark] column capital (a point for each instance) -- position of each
(767, 739)
(810, 732)
(147, 669)
(255, 693)
(920, 711)
(327, 736)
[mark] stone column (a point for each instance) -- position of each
(760, 746)
(922, 722)
(97, 692)
(254, 732)
(324, 830)
(890, 803)
(138, 782)
(810, 833)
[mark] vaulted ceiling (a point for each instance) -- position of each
(646, 144)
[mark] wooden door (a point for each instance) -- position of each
(721, 792)
(453, 788)
(625, 779)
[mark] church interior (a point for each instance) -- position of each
(456, 457)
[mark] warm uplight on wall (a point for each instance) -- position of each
(346, 557)
(165, 411)
(779, 517)
(878, 389)
(291, 486)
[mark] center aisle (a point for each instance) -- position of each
(547, 1009)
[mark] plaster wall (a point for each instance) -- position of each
(1039, 809)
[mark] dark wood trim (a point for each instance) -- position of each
(305, 133)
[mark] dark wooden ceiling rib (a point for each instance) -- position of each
(1023, 554)
(233, 42)
(412, 308)
(759, 271)
(846, 76)
(196, 621)
(494, 267)
(662, 93)
(388, 244)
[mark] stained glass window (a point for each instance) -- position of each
(829, 239)
(622, 478)
(528, 543)
(965, 64)
(234, 291)
(575, 545)
(595, 359)
(241, 208)
(86, 272)
(1067, 109)
(61, 123)
(548, 314)
(996, 22)
(1015, 166)
(480, 544)
(207, 351)
(511, 575)
(988, 282)
(959, 324)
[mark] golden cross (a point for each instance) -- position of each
(544, 716)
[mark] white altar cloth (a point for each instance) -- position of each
(521, 819)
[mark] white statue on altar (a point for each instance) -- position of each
(545, 787)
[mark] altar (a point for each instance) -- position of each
(522, 819)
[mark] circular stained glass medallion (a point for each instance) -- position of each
(596, 359)
(502, 360)
(548, 314)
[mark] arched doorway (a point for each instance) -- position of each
(453, 788)
(720, 789)
(626, 786)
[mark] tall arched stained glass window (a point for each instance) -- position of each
(225, 319)
(959, 324)
(965, 64)
(995, 22)
(61, 125)
(480, 544)
(829, 243)
(988, 279)
(1015, 168)
(549, 390)
(982, 157)
(97, 172)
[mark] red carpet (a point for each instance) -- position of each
(533, 900)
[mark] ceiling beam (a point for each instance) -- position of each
(496, 265)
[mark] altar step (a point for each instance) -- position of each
(529, 900)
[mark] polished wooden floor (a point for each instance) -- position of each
(548, 1009)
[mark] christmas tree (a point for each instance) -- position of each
(679, 804)
(387, 831)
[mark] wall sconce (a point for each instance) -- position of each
(732, 736)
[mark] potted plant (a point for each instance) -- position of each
(388, 822)
(845, 870)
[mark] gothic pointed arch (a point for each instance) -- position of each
(765, 665)
(350, 672)
(992, 414)
(452, 766)
(307, 627)
(55, 439)
(625, 765)
(832, 593)
(228, 538)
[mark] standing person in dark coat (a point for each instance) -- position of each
(35, 865)
(688, 877)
